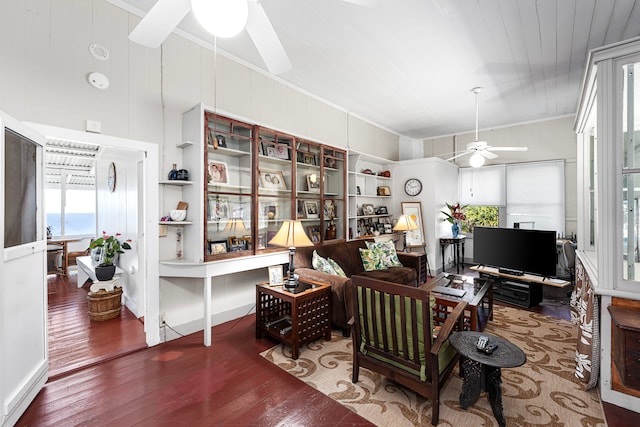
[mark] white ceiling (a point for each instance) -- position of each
(410, 65)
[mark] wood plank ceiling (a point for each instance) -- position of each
(409, 65)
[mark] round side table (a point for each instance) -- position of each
(483, 371)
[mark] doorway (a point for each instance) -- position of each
(143, 171)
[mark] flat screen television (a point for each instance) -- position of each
(515, 251)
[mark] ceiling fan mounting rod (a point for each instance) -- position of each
(476, 90)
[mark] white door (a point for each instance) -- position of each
(23, 285)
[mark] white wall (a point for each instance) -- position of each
(44, 46)
(117, 212)
(439, 185)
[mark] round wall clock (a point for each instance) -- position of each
(413, 186)
(111, 177)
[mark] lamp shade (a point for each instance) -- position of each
(235, 227)
(405, 223)
(291, 235)
(222, 18)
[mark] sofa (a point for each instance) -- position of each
(347, 255)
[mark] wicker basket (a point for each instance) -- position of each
(104, 305)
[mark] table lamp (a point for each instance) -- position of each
(405, 223)
(291, 235)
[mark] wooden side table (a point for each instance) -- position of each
(457, 242)
(480, 369)
(294, 317)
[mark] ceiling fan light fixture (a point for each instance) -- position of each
(222, 18)
(476, 160)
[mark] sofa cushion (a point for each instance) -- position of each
(371, 260)
(386, 251)
(339, 271)
(321, 264)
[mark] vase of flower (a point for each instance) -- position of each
(454, 216)
(455, 229)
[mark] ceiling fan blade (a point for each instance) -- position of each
(459, 155)
(507, 148)
(266, 40)
(159, 22)
(487, 154)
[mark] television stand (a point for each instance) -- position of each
(521, 290)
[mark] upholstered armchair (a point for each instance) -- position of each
(393, 334)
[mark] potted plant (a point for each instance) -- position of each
(110, 246)
(454, 216)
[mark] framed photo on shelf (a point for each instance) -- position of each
(275, 275)
(270, 235)
(382, 210)
(308, 159)
(384, 190)
(272, 180)
(311, 209)
(262, 242)
(314, 233)
(218, 247)
(313, 183)
(301, 210)
(271, 151)
(300, 157)
(218, 172)
(271, 212)
(221, 141)
(330, 162)
(282, 152)
(358, 193)
(414, 210)
(368, 209)
(329, 209)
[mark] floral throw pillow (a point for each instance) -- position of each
(339, 271)
(371, 260)
(386, 251)
(321, 264)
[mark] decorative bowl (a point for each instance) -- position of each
(178, 214)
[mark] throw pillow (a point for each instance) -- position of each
(371, 260)
(386, 251)
(321, 264)
(339, 271)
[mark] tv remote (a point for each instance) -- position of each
(285, 331)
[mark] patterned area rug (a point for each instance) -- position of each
(542, 392)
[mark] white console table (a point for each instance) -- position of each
(208, 270)
(87, 270)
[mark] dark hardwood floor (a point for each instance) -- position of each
(182, 382)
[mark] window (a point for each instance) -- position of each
(70, 204)
(630, 173)
(480, 216)
(535, 195)
(20, 190)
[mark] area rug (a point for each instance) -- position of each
(542, 392)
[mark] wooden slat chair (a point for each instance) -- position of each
(393, 335)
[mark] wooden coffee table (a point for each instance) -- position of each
(478, 296)
(294, 316)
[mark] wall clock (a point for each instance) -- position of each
(111, 177)
(413, 186)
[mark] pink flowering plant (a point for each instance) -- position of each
(111, 245)
(455, 214)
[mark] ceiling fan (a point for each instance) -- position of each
(480, 150)
(215, 16)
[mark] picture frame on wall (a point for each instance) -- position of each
(414, 210)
